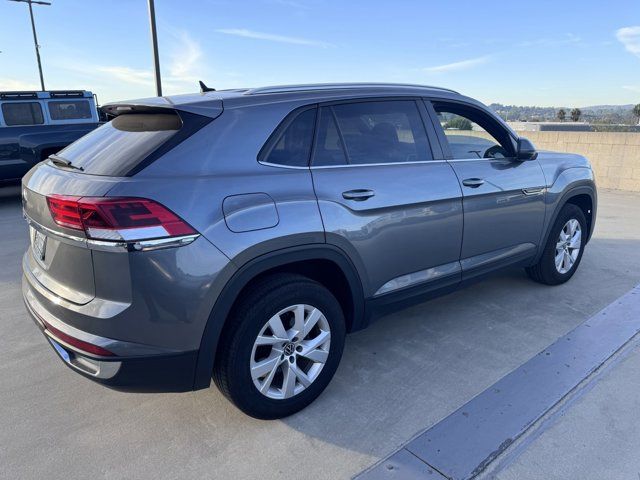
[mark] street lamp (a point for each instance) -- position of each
(154, 45)
(35, 37)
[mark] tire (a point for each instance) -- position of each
(546, 271)
(272, 298)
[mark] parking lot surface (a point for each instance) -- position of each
(398, 377)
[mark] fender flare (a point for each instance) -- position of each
(224, 302)
(577, 190)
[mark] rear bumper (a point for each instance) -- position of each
(172, 372)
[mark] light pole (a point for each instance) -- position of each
(35, 37)
(154, 45)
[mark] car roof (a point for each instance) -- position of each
(44, 95)
(210, 102)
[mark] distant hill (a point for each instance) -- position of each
(616, 114)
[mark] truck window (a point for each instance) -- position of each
(69, 110)
(22, 113)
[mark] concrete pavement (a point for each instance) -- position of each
(403, 374)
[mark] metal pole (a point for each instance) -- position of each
(35, 37)
(154, 44)
(35, 41)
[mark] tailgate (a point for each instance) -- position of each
(58, 258)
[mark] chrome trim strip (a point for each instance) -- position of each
(421, 276)
(114, 246)
(423, 162)
(90, 366)
(533, 191)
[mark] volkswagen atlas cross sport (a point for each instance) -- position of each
(239, 235)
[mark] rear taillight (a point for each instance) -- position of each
(117, 218)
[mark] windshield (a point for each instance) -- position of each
(115, 148)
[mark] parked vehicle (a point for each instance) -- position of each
(33, 125)
(241, 234)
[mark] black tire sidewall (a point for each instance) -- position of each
(251, 318)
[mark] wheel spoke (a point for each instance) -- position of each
(314, 343)
(576, 239)
(275, 323)
(289, 381)
(298, 324)
(300, 375)
(266, 384)
(559, 259)
(311, 321)
(566, 264)
(270, 340)
(261, 368)
(315, 355)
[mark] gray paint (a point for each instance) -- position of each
(420, 217)
(463, 444)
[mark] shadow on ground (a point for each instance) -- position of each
(403, 374)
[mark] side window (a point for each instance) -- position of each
(69, 110)
(375, 132)
(471, 133)
(293, 146)
(22, 113)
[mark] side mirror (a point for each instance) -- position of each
(526, 150)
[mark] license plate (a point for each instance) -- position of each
(39, 244)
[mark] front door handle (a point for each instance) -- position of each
(359, 194)
(473, 182)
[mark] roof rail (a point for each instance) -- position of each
(334, 86)
(17, 95)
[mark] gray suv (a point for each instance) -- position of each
(239, 235)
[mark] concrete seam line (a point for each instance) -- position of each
(465, 443)
(545, 422)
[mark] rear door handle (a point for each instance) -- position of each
(473, 182)
(359, 194)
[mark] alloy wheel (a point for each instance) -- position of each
(568, 246)
(290, 351)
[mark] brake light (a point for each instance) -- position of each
(117, 218)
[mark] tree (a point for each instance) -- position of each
(575, 114)
(562, 114)
(458, 123)
(636, 112)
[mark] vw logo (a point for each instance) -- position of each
(289, 348)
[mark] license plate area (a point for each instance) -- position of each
(38, 244)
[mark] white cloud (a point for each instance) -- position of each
(126, 74)
(241, 32)
(632, 88)
(567, 39)
(11, 84)
(457, 66)
(630, 38)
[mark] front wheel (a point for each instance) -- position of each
(282, 347)
(563, 250)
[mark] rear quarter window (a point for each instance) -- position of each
(69, 110)
(290, 145)
(22, 113)
(117, 147)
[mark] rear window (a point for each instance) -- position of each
(22, 113)
(117, 147)
(69, 110)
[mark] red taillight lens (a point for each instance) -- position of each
(64, 210)
(117, 218)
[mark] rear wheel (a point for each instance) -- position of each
(563, 250)
(282, 347)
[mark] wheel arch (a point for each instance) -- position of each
(584, 197)
(309, 260)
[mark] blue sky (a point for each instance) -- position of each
(548, 53)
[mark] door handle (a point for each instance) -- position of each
(473, 182)
(359, 194)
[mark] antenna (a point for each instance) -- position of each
(204, 88)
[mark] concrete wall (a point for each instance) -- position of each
(615, 156)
